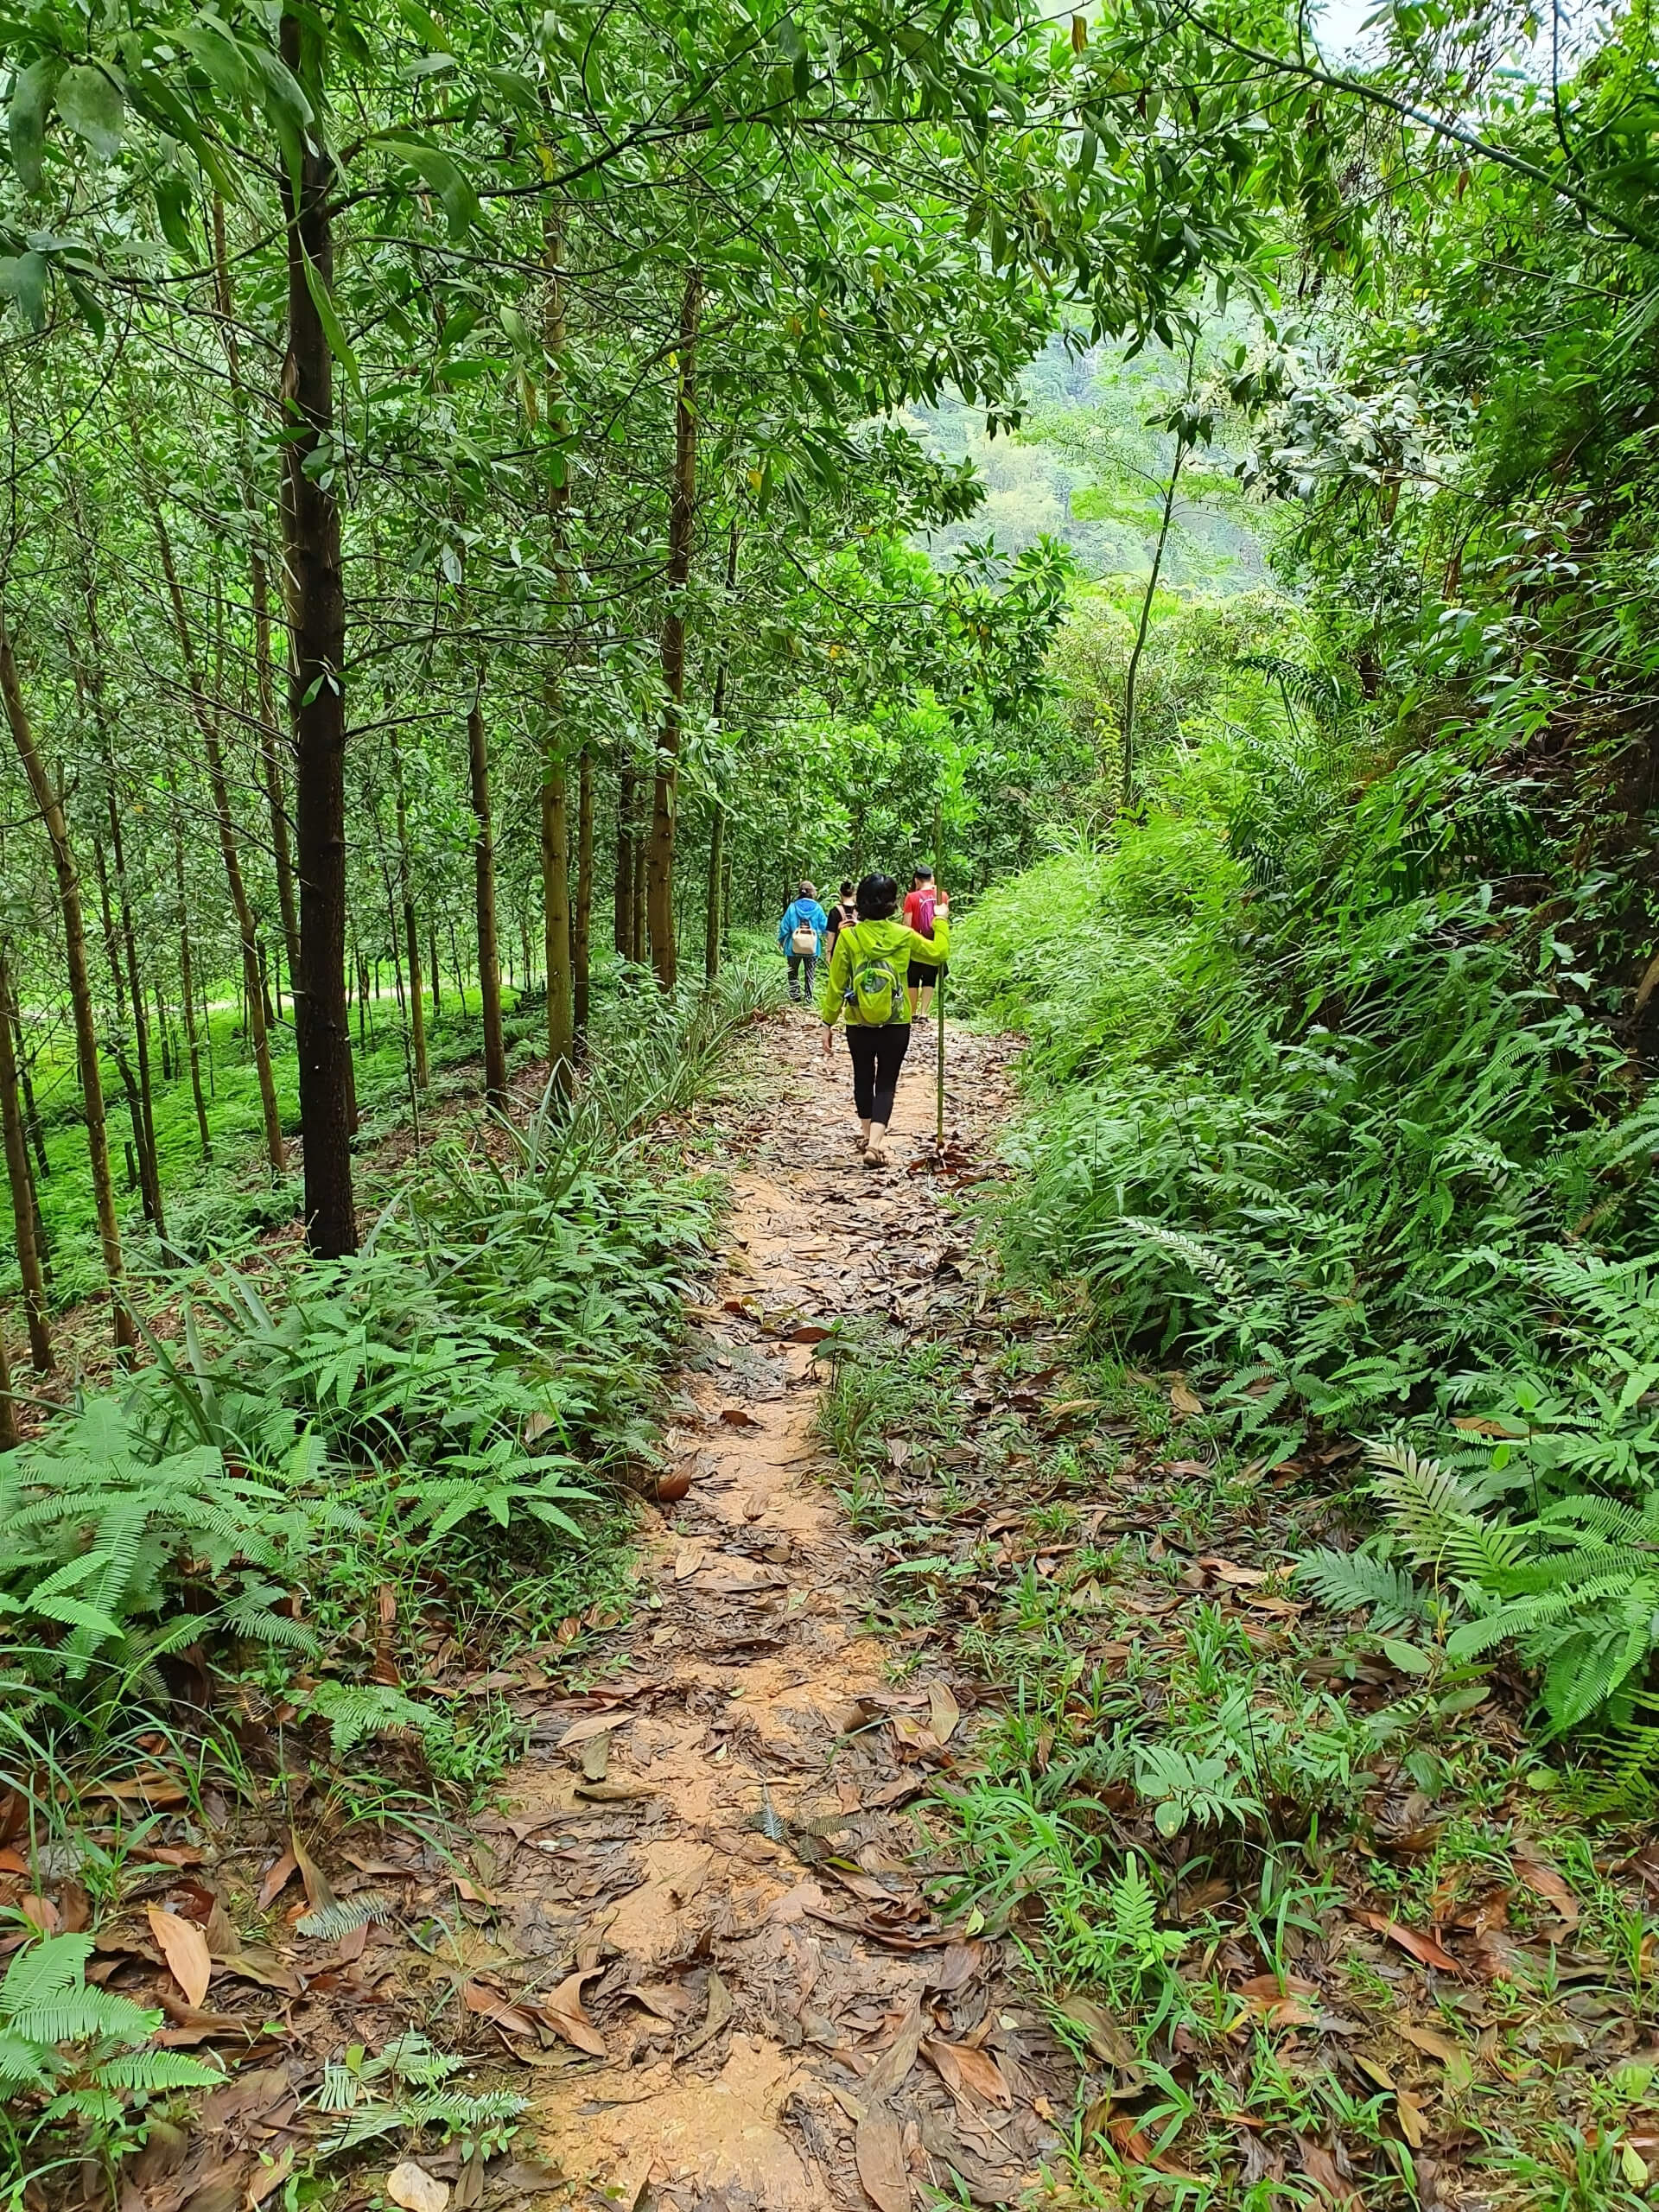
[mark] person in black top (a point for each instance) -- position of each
(841, 913)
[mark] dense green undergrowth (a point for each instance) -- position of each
(1321, 1111)
(1319, 1923)
(331, 1485)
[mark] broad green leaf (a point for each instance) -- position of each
(94, 107)
(23, 279)
(332, 329)
(31, 96)
(441, 176)
(173, 210)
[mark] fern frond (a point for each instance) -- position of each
(329, 1922)
(1349, 1582)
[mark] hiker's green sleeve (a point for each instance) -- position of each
(836, 970)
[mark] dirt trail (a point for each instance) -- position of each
(709, 1874)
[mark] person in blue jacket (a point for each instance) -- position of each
(801, 936)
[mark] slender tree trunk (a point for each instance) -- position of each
(1183, 447)
(555, 891)
(149, 1196)
(129, 987)
(581, 920)
(253, 989)
(555, 827)
(624, 896)
(711, 904)
(637, 941)
(317, 682)
(80, 989)
(31, 1112)
(8, 1435)
(659, 873)
(1132, 674)
(140, 1018)
(711, 945)
(412, 934)
(164, 1032)
(186, 982)
(269, 736)
(22, 1187)
(432, 949)
(489, 968)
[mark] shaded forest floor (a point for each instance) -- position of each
(966, 1808)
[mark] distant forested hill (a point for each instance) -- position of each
(1068, 472)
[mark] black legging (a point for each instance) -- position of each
(878, 1055)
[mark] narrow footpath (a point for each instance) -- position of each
(708, 1873)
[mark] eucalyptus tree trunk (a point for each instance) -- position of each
(711, 941)
(411, 933)
(269, 736)
(150, 1195)
(683, 508)
(9, 1436)
(22, 1187)
(316, 604)
(253, 989)
(581, 918)
(50, 810)
(556, 826)
(489, 963)
(556, 909)
(128, 986)
(31, 1112)
(140, 1016)
(625, 790)
(186, 978)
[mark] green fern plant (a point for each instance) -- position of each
(408, 2086)
(1574, 1588)
(77, 2059)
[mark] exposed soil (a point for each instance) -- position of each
(720, 1846)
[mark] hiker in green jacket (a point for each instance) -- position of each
(865, 980)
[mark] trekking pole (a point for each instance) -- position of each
(938, 1002)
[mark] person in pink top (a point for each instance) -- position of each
(920, 902)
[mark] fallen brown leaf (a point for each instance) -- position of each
(184, 1947)
(1423, 1948)
(959, 1966)
(966, 2071)
(1437, 2046)
(1414, 2121)
(719, 2012)
(1544, 1881)
(1105, 2039)
(893, 2066)
(563, 2013)
(319, 1891)
(665, 1999)
(415, 2189)
(589, 1725)
(258, 1962)
(1323, 2172)
(1184, 1399)
(944, 1712)
(499, 2010)
(879, 2154)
